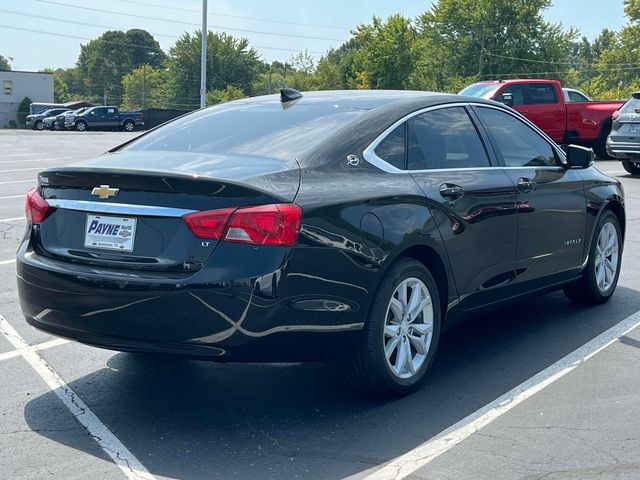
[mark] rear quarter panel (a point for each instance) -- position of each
(587, 118)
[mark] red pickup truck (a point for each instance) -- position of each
(543, 102)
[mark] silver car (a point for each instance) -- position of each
(624, 140)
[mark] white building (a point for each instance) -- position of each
(17, 85)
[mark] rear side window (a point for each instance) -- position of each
(251, 129)
(392, 148)
(577, 97)
(445, 138)
(516, 143)
(540, 93)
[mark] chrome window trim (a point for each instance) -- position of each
(118, 208)
(370, 156)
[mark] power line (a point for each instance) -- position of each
(270, 20)
(181, 22)
(56, 34)
(553, 62)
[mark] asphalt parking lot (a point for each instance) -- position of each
(566, 379)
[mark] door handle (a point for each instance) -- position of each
(526, 184)
(451, 191)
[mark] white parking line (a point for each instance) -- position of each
(7, 262)
(122, 457)
(404, 465)
(39, 347)
(12, 196)
(20, 169)
(15, 219)
(31, 180)
(2, 162)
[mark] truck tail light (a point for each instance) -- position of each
(36, 208)
(275, 224)
(616, 114)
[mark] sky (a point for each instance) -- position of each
(277, 30)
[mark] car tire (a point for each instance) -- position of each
(39, 125)
(603, 267)
(81, 126)
(600, 146)
(128, 126)
(378, 367)
(632, 167)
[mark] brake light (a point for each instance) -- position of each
(36, 208)
(616, 114)
(276, 224)
(209, 224)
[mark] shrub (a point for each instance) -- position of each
(23, 111)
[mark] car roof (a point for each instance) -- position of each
(351, 99)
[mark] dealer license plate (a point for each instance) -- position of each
(110, 233)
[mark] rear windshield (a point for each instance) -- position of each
(481, 90)
(266, 130)
(630, 107)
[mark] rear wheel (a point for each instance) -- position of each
(600, 147)
(128, 126)
(81, 125)
(603, 268)
(632, 167)
(400, 337)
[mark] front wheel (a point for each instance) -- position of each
(400, 337)
(632, 167)
(128, 126)
(603, 268)
(39, 125)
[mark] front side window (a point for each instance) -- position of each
(392, 148)
(517, 93)
(517, 145)
(445, 138)
(542, 93)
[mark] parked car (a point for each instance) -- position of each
(353, 224)
(543, 102)
(107, 118)
(624, 141)
(573, 95)
(36, 121)
(59, 120)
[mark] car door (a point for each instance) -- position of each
(550, 197)
(545, 109)
(472, 200)
(111, 118)
(95, 117)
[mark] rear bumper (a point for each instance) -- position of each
(623, 150)
(256, 318)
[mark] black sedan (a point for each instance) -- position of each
(297, 227)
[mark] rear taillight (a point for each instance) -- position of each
(36, 208)
(616, 114)
(276, 224)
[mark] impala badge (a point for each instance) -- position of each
(104, 191)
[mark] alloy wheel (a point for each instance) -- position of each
(606, 261)
(408, 328)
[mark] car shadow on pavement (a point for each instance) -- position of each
(201, 420)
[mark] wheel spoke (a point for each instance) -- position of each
(403, 355)
(392, 330)
(414, 313)
(402, 295)
(600, 275)
(396, 308)
(391, 346)
(414, 299)
(422, 328)
(418, 344)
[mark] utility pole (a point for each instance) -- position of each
(203, 59)
(144, 86)
(481, 59)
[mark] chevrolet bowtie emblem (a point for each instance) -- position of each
(104, 191)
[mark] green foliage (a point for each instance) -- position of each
(4, 63)
(23, 111)
(230, 61)
(103, 62)
(146, 87)
(227, 94)
(60, 89)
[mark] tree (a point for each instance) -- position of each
(60, 90)
(23, 110)
(487, 39)
(104, 61)
(230, 61)
(4, 63)
(227, 94)
(146, 87)
(386, 53)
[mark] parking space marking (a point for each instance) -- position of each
(39, 347)
(404, 465)
(32, 180)
(12, 196)
(14, 219)
(20, 169)
(7, 262)
(123, 458)
(24, 160)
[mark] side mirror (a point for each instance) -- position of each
(506, 98)
(579, 157)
